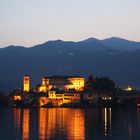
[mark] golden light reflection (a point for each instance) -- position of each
(17, 117)
(76, 129)
(25, 124)
(47, 121)
(110, 119)
(107, 121)
(42, 123)
(58, 120)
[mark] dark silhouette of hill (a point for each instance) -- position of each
(99, 57)
(120, 43)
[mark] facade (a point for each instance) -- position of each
(71, 97)
(66, 97)
(45, 85)
(53, 95)
(26, 83)
(64, 83)
(43, 101)
(76, 83)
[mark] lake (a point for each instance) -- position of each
(70, 124)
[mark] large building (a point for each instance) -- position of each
(26, 83)
(66, 97)
(45, 86)
(64, 83)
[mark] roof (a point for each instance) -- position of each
(63, 77)
(57, 90)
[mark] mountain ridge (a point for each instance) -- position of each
(69, 58)
(91, 39)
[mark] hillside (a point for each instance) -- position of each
(114, 57)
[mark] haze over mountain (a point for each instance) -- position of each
(114, 57)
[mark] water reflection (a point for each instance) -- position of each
(107, 121)
(25, 124)
(69, 124)
(42, 124)
(17, 117)
(57, 122)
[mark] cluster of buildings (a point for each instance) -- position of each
(67, 90)
(64, 83)
(57, 90)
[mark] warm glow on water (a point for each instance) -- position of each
(25, 124)
(69, 124)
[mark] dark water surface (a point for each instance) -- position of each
(70, 124)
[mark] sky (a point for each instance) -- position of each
(31, 22)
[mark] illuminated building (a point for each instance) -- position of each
(64, 83)
(66, 97)
(45, 86)
(55, 95)
(71, 97)
(43, 101)
(77, 83)
(26, 83)
(17, 98)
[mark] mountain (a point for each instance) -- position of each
(120, 43)
(99, 57)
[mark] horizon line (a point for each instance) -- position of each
(58, 39)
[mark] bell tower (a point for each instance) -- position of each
(26, 83)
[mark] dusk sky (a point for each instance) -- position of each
(30, 22)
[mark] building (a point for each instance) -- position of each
(66, 97)
(55, 94)
(89, 96)
(26, 83)
(71, 97)
(76, 83)
(45, 85)
(64, 83)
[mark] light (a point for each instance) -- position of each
(129, 88)
(17, 98)
(26, 83)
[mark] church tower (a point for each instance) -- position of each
(26, 83)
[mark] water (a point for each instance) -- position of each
(70, 124)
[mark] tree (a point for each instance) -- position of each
(90, 81)
(104, 84)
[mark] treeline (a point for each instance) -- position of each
(100, 83)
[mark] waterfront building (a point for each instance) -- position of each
(55, 94)
(66, 97)
(73, 97)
